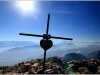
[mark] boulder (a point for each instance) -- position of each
(40, 71)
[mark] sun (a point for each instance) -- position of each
(26, 5)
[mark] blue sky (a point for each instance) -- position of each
(77, 20)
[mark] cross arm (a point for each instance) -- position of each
(30, 34)
(61, 38)
(42, 36)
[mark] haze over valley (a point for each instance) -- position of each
(24, 51)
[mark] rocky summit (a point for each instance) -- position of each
(54, 65)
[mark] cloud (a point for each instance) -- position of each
(56, 11)
(64, 12)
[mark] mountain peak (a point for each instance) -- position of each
(75, 56)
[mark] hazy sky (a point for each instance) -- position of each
(77, 20)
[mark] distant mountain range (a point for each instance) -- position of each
(24, 50)
(81, 44)
(82, 50)
(18, 54)
(6, 45)
(29, 43)
(15, 43)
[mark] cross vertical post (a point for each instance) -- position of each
(46, 43)
(47, 29)
(44, 61)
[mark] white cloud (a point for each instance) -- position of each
(67, 12)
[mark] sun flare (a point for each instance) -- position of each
(26, 5)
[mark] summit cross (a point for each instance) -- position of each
(46, 43)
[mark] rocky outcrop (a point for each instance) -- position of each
(54, 65)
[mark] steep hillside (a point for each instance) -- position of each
(98, 55)
(75, 56)
(95, 54)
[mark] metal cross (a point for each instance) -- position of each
(46, 40)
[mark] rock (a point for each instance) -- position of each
(31, 72)
(27, 64)
(98, 71)
(82, 69)
(1, 71)
(54, 65)
(40, 71)
(51, 71)
(19, 70)
(54, 71)
(39, 60)
(86, 72)
(48, 71)
(35, 65)
(26, 72)
(92, 68)
(26, 67)
(41, 67)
